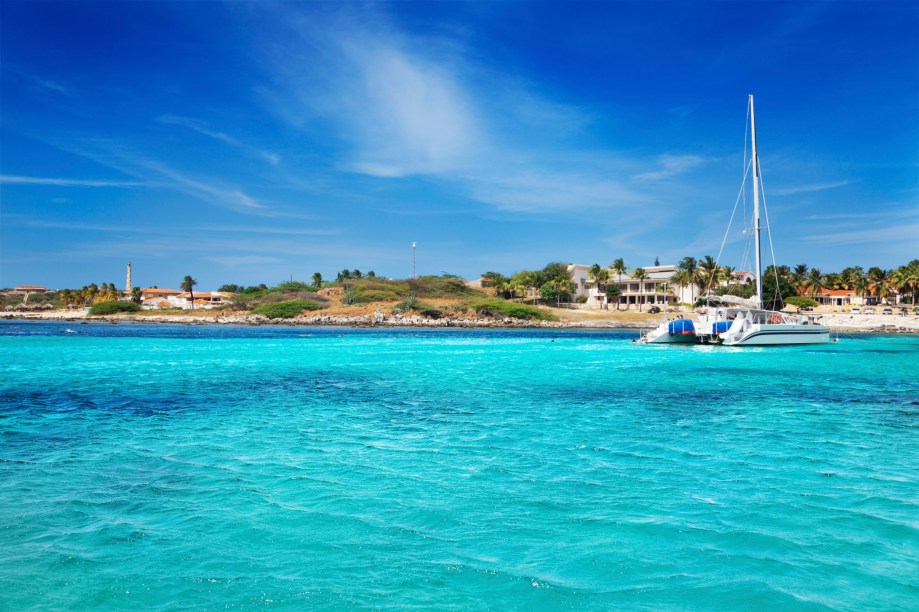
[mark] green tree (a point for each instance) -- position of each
(876, 277)
(619, 268)
(799, 277)
(600, 275)
(776, 294)
(136, 295)
(690, 268)
(613, 292)
(815, 282)
(906, 279)
(640, 275)
(188, 285)
(317, 281)
(564, 287)
(709, 273)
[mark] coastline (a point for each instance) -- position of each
(837, 322)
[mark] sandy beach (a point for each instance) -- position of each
(575, 318)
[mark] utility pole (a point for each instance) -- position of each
(413, 260)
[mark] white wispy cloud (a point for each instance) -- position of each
(49, 84)
(238, 261)
(149, 173)
(670, 166)
(14, 221)
(553, 191)
(232, 197)
(412, 117)
(201, 128)
(881, 235)
(66, 182)
(808, 188)
(410, 106)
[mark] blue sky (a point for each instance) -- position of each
(248, 143)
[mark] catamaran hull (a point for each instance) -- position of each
(778, 334)
(672, 339)
(678, 331)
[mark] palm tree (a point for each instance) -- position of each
(317, 280)
(640, 275)
(906, 279)
(876, 277)
(679, 278)
(690, 267)
(861, 285)
(799, 277)
(564, 286)
(600, 276)
(833, 280)
(136, 296)
(594, 273)
(618, 266)
(814, 282)
(883, 283)
(709, 272)
(188, 285)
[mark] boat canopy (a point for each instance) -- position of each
(733, 300)
(681, 327)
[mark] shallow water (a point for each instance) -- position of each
(205, 466)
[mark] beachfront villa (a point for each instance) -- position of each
(849, 297)
(655, 289)
(154, 298)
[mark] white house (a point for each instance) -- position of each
(656, 289)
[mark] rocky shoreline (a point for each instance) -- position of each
(838, 323)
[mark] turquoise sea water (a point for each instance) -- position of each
(204, 467)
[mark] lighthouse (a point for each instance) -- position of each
(127, 287)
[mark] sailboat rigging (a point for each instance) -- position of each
(744, 322)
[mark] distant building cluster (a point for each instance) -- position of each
(154, 298)
(658, 288)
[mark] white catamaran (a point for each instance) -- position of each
(736, 321)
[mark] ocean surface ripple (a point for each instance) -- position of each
(192, 466)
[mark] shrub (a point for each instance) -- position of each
(107, 308)
(494, 307)
(431, 313)
(293, 286)
(285, 310)
(802, 302)
(374, 295)
(440, 286)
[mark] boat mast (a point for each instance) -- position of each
(755, 159)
